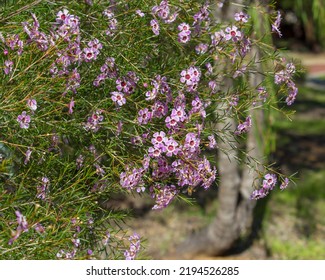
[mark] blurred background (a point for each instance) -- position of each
(289, 224)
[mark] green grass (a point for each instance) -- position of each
(297, 217)
(294, 225)
(304, 122)
(301, 127)
(309, 94)
(301, 250)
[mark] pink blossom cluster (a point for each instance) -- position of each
(160, 88)
(163, 12)
(112, 22)
(268, 184)
(127, 84)
(12, 42)
(163, 195)
(108, 70)
(202, 16)
(285, 76)
(277, 23)
(190, 77)
(42, 188)
(134, 248)
(67, 27)
(36, 36)
(185, 33)
(22, 226)
(76, 228)
(94, 121)
(131, 179)
(244, 127)
(241, 17)
(231, 36)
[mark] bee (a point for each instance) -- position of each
(190, 191)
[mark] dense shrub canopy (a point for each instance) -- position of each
(98, 99)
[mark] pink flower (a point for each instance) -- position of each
(21, 220)
(276, 24)
(125, 84)
(186, 77)
(213, 86)
(172, 121)
(190, 76)
(70, 106)
(269, 181)
(8, 66)
(184, 37)
(184, 27)
(108, 13)
(262, 93)
(155, 26)
(159, 109)
(43, 188)
(118, 98)
(244, 127)
(95, 44)
(180, 113)
(171, 147)
(27, 156)
(39, 228)
(62, 15)
(242, 17)
(162, 10)
(134, 247)
(159, 138)
(32, 104)
(151, 94)
(212, 142)
(257, 194)
(23, 120)
(139, 13)
(171, 18)
(94, 121)
(232, 33)
(156, 150)
(234, 100)
(201, 48)
(191, 142)
(89, 54)
(217, 37)
(22, 226)
(163, 196)
(106, 238)
(144, 116)
(197, 105)
(284, 184)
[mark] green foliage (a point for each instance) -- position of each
(307, 123)
(59, 167)
(301, 212)
(294, 224)
(301, 250)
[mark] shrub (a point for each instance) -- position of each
(99, 99)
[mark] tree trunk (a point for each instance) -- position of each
(234, 216)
